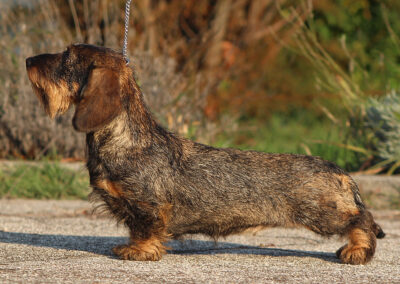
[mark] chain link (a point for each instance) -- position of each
(125, 46)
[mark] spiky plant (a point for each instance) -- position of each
(383, 120)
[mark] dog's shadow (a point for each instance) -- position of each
(103, 246)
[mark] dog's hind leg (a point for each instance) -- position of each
(362, 233)
(331, 205)
(359, 227)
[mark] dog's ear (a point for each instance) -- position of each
(100, 102)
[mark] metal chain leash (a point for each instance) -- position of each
(125, 46)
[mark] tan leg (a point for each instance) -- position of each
(360, 249)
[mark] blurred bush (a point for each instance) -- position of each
(363, 81)
(183, 52)
(25, 131)
(203, 64)
(382, 119)
(362, 36)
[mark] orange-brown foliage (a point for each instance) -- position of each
(236, 42)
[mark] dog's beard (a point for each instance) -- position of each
(54, 97)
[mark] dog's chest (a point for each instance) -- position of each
(108, 156)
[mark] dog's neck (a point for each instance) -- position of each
(133, 129)
(140, 120)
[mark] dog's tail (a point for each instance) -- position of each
(379, 233)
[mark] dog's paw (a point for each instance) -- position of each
(339, 251)
(132, 252)
(354, 254)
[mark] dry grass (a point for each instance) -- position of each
(26, 132)
(45, 181)
(24, 128)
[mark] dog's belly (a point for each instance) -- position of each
(223, 218)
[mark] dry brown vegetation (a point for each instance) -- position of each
(183, 51)
(24, 129)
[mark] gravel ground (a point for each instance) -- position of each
(60, 241)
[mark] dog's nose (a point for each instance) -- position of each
(28, 62)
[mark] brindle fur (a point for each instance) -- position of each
(162, 186)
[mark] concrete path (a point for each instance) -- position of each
(60, 241)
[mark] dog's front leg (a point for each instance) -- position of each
(148, 232)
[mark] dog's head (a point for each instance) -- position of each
(88, 76)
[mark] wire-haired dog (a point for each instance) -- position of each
(162, 186)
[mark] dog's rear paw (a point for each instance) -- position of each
(339, 251)
(354, 254)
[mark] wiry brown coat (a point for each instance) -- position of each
(162, 186)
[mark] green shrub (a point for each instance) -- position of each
(355, 60)
(49, 181)
(382, 119)
(300, 132)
